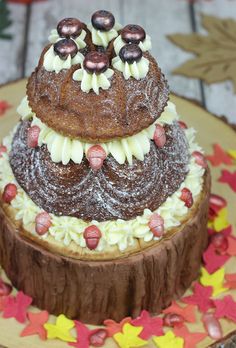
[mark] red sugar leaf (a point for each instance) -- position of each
(2, 301)
(201, 297)
(83, 334)
(226, 231)
(191, 339)
(212, 260)
(16, 307)
(4, 106)
(35, 326)
(113, 327)
(230, 281)
(228, 178)
(151, 326)
(219, 156)
(225, 308)
(231, 250)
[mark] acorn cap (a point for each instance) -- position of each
(65, 47)
(133, 33)
(103, 20)
(96, 62)
(69, 28)
(130, 53)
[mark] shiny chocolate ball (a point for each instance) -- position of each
(133, 33)
(103, 20)
(96, 62)
(65, 47)
(69, 27)
(130, 53)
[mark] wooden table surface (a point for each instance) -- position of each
(32, 24)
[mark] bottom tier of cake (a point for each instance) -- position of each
(92, 291)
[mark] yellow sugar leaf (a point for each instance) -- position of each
(129, 337)
(216, 280)
(210, 224)
(232, 153)
(60, 329)
(221, 221)
(168, 340)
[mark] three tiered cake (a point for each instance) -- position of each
(104, 191)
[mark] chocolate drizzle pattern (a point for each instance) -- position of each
(115, 191)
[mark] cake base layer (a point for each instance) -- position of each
(92, 291)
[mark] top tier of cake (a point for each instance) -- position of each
(98, 82)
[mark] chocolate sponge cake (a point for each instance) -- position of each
(104, 190)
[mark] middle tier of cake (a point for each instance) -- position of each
(119, 199)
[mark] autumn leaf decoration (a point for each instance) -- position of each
(216, 52)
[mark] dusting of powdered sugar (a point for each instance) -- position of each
(114, 192)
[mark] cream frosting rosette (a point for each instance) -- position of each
(93, 81)
(102, 38)
(137, 70)
(63, 149)
(24, 109)
(52, 62)
(54, 37)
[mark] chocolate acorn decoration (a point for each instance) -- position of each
(103, 20)
(130, 53)
(69, 27)
(65, 47)
(96, 62)
(133, 33)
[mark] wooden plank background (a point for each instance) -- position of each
(32, 24)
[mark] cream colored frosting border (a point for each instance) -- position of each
(137, 70)
(93, 81)
(54, 37)
(120, 232)
(63, 149)
(102, 38)
(52, 62)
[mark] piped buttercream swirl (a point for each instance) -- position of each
(52, 62)
(145, 45)
(102, 38)
(54, 37)
(24, 109)
(93, 81)
(118, 233)
(138, 70)
(63, 149)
